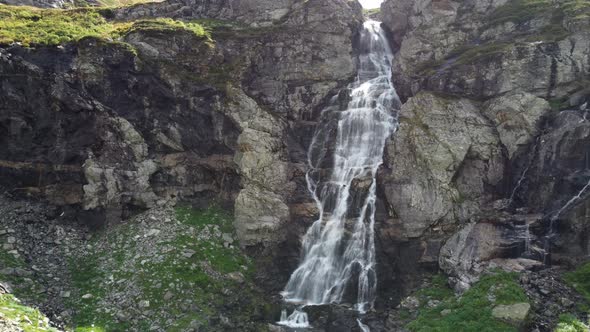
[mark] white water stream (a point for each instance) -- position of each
(338, 250)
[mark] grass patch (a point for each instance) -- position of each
(203, 217)
(371, 12)
(580, 280)
(183, 274)
(33, 26)
(473, 310)
(23, 287)
(168, 25)
(480, 52)
(27, 318)
(438, 290)
(570, 323)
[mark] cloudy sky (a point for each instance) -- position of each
(371, 3)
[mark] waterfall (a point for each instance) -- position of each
(363, 327)
(523, 174)
(338, 250)
(570, 202)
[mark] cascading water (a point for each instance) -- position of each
(338, 250)
(523, 175)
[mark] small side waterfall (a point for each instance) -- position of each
(363, 327)
(523, 174)
(338, 250)
(570, 203)
(298, 319)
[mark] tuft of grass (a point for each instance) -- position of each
(580, 280)
(168, 25)
(27, 319)
(23, 288)
(438, 290)
(473, 310)
(203, 217)
(371, 12)
(190, 265)
(34, 26)
(570, 323)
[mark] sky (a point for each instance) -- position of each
(371, 3)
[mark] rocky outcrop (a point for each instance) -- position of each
(494, 108)
(441, 161)
(164, 115)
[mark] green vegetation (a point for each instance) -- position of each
(473, 310)
(23, 287)
(168, 25)
(110, 3)
(439, 290)
(184, 274)
(26, 318)
(33, 26)
(371, 12)
(473, 54)
(120, 3)
(569, 323)
(558, 104)
(519, 11)
(580, 280)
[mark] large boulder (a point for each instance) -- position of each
(439, 163)
(514, 314)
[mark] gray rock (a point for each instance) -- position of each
(443, 156)
(514, 314)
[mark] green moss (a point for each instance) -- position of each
(34, 26)
(519, 11)
(27, 318)
(471, 55)
(569, 323)
(372, 11)
(191, 266)
(438, 290)
(473, 310)
(203, 217)
(580, 280)
(23, 288)
(167, 25)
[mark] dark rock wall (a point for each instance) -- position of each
(113, 128)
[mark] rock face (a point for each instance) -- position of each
(486, 48)
(492, 127)
(114, 128)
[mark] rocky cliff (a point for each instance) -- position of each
(105, 129)
(214, 103)
(490, 162)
